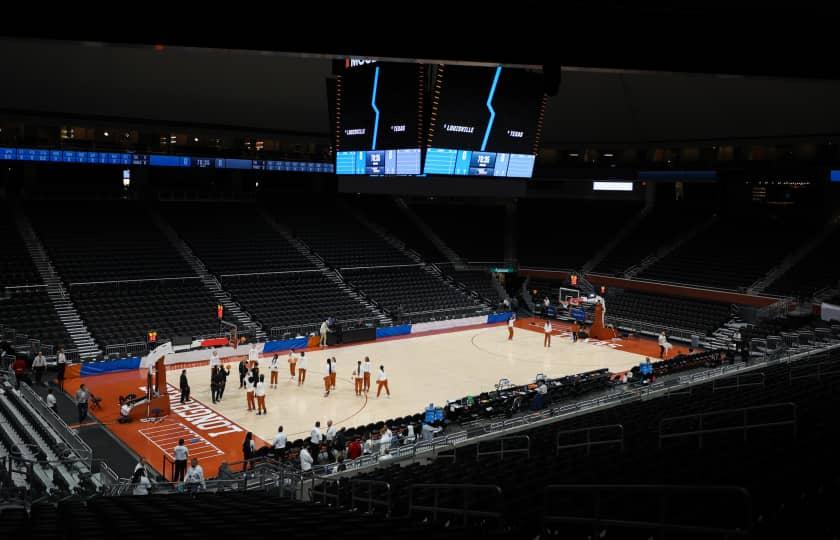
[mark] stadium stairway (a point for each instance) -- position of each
(382, 233)
(450, 255)
(618, 238)
(298, 244)
(434, 270)
(232, 309)
(83, 341)
(411, 254)
(791, 260)
(329, 273)
(648, 261)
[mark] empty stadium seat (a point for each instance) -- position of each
(413, 293)
(125, 312)
(112, 241)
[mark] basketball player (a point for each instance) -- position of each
(292, 361)
(274, 368)
(301, 368)
(547, 330)
(575, 331)
(249, 390)
(366, 367)
(510, 326)
(260, 393)
(328, 373)
(358, 378)
(333, 373)
(382, 382)
(254, 363)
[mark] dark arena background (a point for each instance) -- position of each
(275, 289)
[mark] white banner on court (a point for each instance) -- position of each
(451, 323)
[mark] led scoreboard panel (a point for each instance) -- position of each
(379, 127)
(156, 160)
(485, 122)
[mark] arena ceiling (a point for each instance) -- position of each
(634, 96)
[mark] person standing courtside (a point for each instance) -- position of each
(259, 391)
(185, 387)
(301, 368)
(280, 442)
(547, 330)
(214, 384)
(250, 383)
(61, 364)
(224, 371)
(331, 431)
(324, 330)
(214, 359)
(510, 324)
(181, 453)
(327, 377)
(39, 366)
(82, 397)
(315, 437)
(366, 369)
(663, 341)
(274, 369)
(382, 382)
(248, 448)
(243, 372)
(358, 378)
(292, 363)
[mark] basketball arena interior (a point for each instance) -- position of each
(349, 293)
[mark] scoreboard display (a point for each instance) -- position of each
(158, 160)
(484, 121)
(379, 118)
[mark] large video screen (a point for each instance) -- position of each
(484, 121)
(379, 127)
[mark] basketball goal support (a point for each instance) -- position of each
(233, 334)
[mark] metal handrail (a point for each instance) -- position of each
(745, 426)
(368, 498)
(684, 333)
(344, 268)
(551, 414)
(70, 437)
(589, 443)
(502, 450)
(275, 273)
(822, 368)
(465, 511)
(445, 310)
(323, 493)
(599, 523)
(146, 280)
(22, 287)
(275, 330)
(721, 384)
